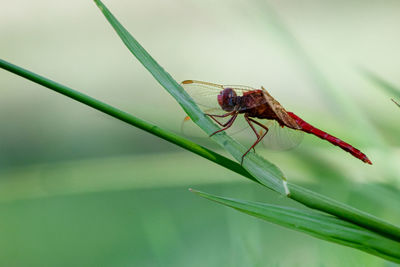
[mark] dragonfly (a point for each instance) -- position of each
(256, 105)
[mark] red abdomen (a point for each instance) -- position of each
(308, 128)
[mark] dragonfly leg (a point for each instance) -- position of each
(226, 125)
(187, 118)
(223, 115)
(259, 137)
(212, 116)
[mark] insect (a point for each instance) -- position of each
(255, 104)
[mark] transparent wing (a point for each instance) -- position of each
(240, 89)
(278, 138)
(189, 128)
(205, 94)
(281, 138)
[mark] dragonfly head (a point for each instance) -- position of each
(227, 99)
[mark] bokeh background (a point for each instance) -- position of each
(78, 188)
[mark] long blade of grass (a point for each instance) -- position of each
(126, 117)
(316, 224)
(302, 195)
(320, 202)
(308, 198)
(264, 171)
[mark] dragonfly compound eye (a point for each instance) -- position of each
(227, 99)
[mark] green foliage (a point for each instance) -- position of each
(365, 231)
(316, 224)
(261, 169)
(297, 193)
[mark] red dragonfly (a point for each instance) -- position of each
(255, 104)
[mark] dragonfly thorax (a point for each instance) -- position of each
(227, 99)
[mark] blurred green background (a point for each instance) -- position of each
(78, 188)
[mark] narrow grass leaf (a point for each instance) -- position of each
(319, 225)
(320, 202)
(298, 193)
(264, 171)
(302, 195)
(126, 117)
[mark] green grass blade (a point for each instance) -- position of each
(263, 170)
(302, 195)
(126, 117)
(316, 224)
(316, 201)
